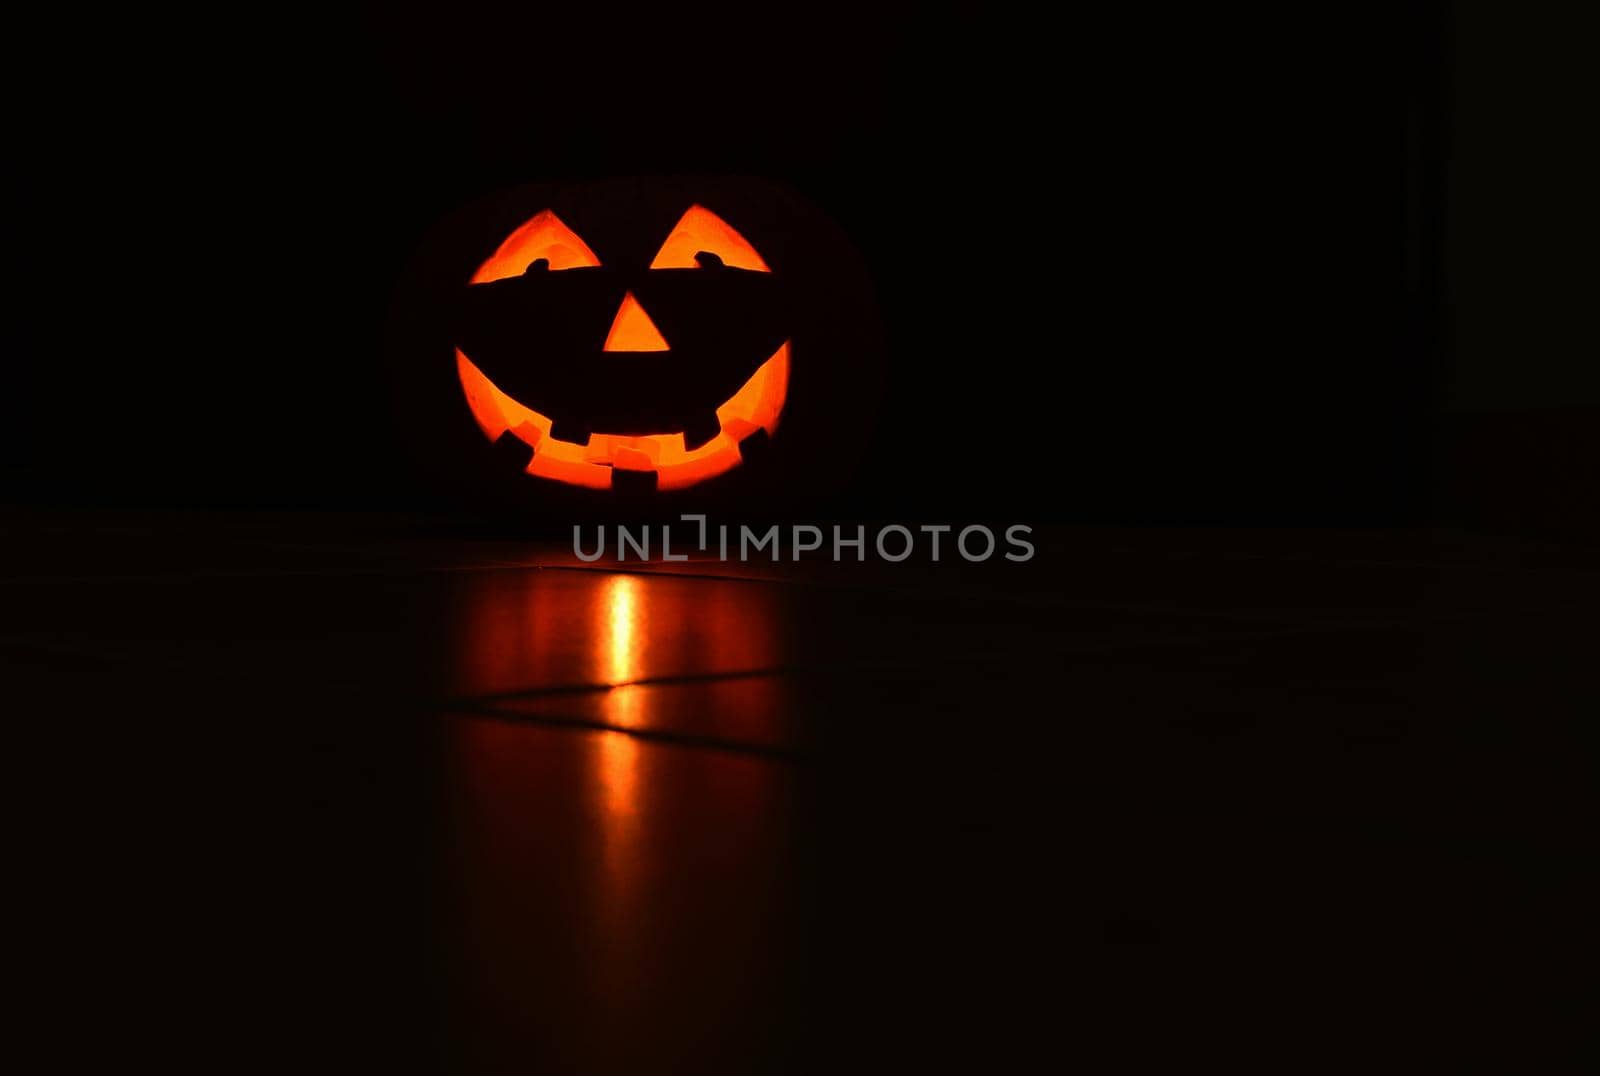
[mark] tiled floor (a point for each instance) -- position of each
(405, 799)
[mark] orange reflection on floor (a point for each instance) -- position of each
(616, 782)
(601, 828)
(617, 755)
(590, 873)
(527, 632)
(622, 613)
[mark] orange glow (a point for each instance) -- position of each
(625, 628)
(544, 236)
(757, 405)
(618, 779)
(621, 655)
(633, 330)
(612, 634)
(542, 815)
(700, 229)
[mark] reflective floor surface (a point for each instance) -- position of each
(365, 793)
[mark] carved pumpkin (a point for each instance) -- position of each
(631, 401)
(685, 341)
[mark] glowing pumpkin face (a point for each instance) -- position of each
(667, 377)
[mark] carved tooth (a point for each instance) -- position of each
(513, 450)
(755, 446)
(631, 459)
(701, 430)
(530, 434)
(570, 430)
(739, 428)
(633, 482)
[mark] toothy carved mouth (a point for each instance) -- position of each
(592, 461)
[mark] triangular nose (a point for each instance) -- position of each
(632, 330)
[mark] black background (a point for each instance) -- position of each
(1175, 264)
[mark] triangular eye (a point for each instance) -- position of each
(701, 230)
(543, 236)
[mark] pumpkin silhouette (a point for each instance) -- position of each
(640, 338)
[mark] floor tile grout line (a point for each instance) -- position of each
(643, 681)
(689, 741)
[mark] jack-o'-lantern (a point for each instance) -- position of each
(538, 360)
(681, 341)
